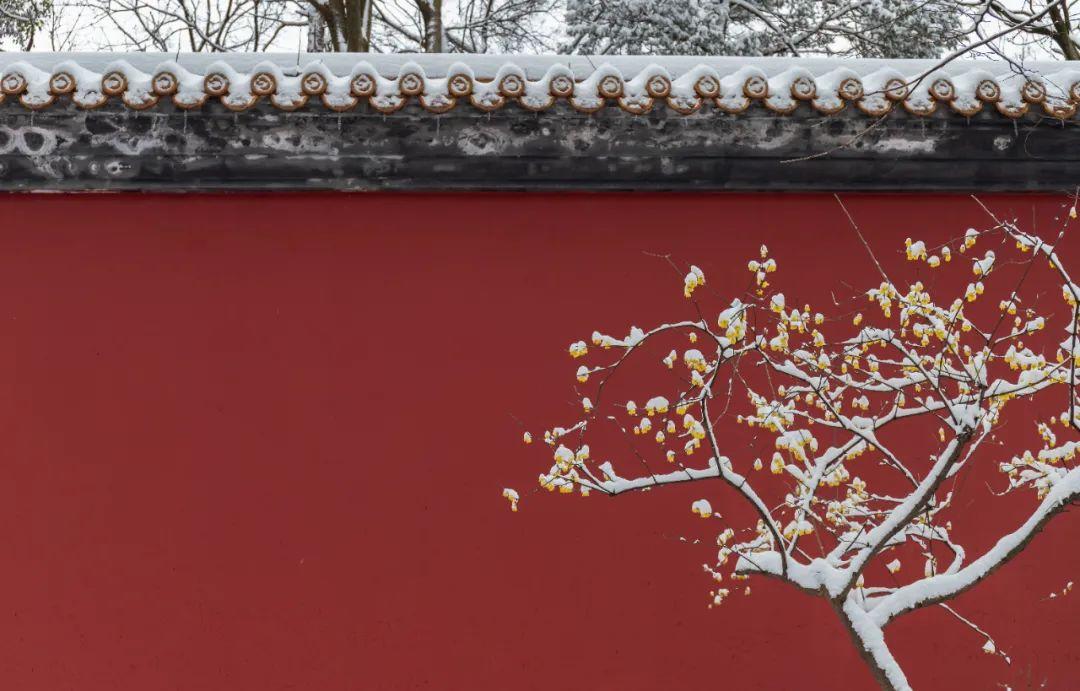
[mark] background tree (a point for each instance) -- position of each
(1042, 26)
(431, 26)
(842, 439)
(886, 28)
(855, 28)
(340, 25)
(469, 26)
(20, 20)
(190, 25)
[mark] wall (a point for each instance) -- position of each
(66, 148)
(258, 442)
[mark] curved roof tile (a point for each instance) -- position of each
(633, 85)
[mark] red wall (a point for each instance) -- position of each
(258, 442)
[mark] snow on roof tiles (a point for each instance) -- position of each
(634, 84)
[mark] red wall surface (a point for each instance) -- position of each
(258, 442)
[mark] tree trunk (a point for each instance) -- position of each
(431, 14)
(355, 36)
(1059, 16)
(869, 640)
(316, 32)
(348, 22)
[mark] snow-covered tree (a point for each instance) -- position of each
(877, 28)
(1011, 29)
(834, 441)
(19, 19)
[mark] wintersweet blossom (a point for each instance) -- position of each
(702, 508)
(819, 394)
(513, 497)
(693, 279)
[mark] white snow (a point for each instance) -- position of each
(617, 485)
(702, 508)
(946, 584)
(732, 83)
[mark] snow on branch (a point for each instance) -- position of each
(842, 433)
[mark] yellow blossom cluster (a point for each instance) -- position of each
(692, 280)
(915, 250)
(982, 267)
(796, 444)
(836, 477)
(694, 360)
(761, 269)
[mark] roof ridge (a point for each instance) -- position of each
(873, 93)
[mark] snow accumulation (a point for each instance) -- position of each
(537, 82)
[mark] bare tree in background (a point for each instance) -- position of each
(61, 28)
(434, 26)
(190, 25)
(1050, 25)
(340, 25)
(429, 26)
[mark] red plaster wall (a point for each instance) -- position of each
(257, 442)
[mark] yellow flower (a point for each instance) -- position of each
(657, 404)
(702, 508)
(692, 280)
(776, 303)
(915, 250)
(777, 466)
